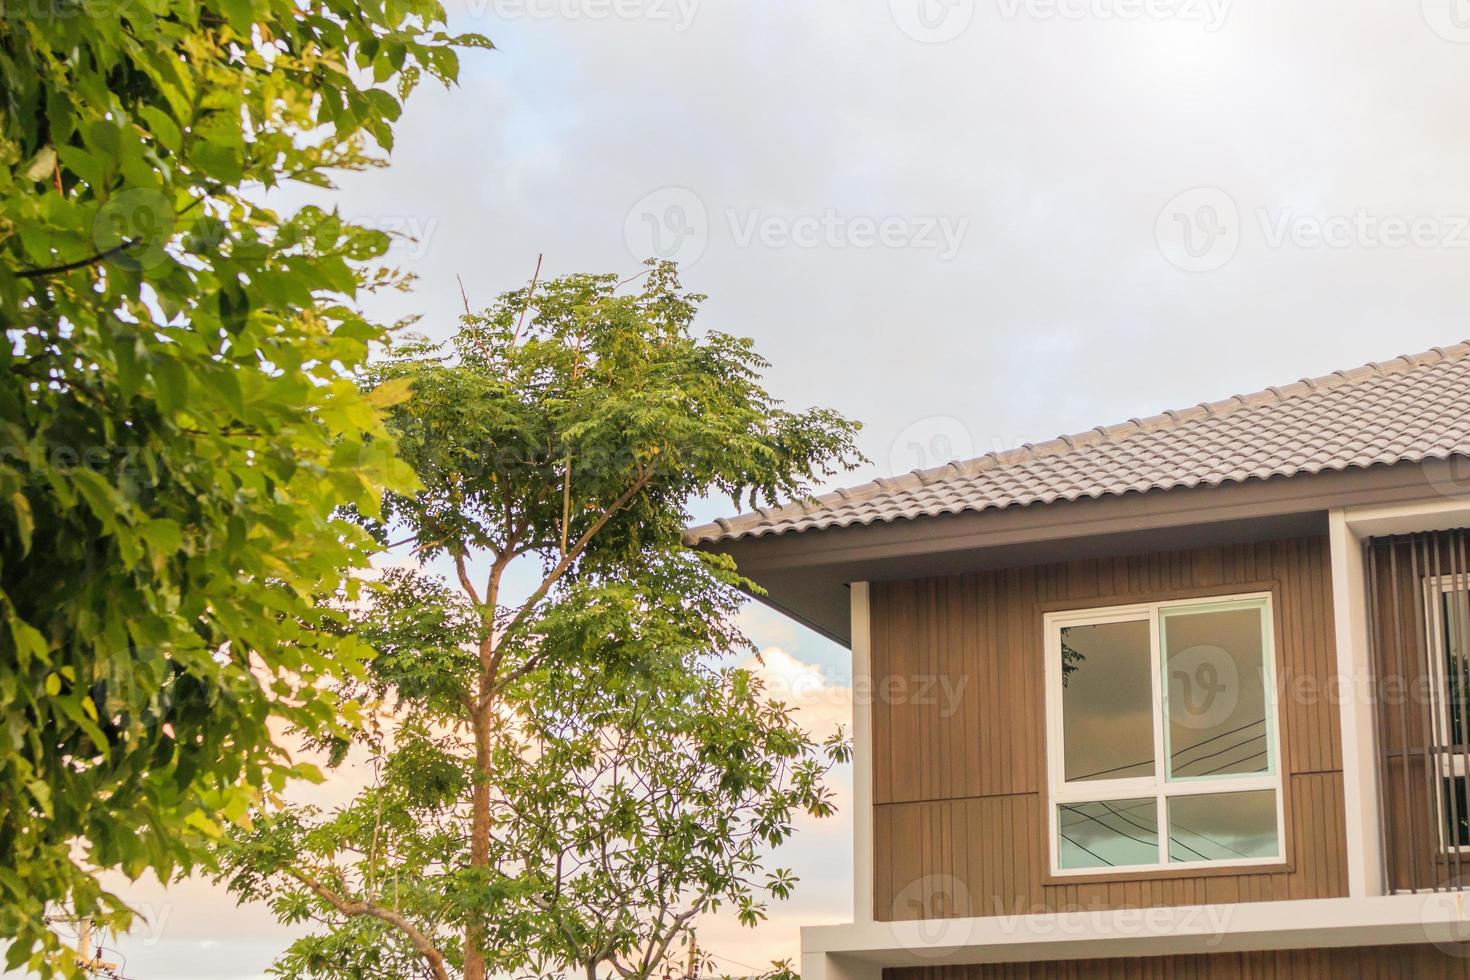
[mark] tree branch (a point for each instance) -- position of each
(53, 270)
(573, 553)
(422, 943)
(464, 581)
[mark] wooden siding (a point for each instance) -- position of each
(1419, 962)
(959, 726)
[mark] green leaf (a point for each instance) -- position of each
(42, 165)
(162, 126)
(183, 424)
(394, 391)
(25, 521)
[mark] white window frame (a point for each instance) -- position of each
(1452, 765)
(1158, 786)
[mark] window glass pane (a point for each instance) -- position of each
(1107, 701)
(1214, 666)
(1223, 826)
(1116, 834)
(1454, 625)
(1456, 813)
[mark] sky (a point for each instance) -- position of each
(969, 224)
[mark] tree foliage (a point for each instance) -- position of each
(177, 417)
(571, 777)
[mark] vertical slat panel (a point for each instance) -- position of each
(1420, 754)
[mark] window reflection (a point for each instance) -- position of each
(1107, 701)
(1115, 834)
(1214, 664)
(1223, 827)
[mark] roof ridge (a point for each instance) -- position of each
(1118, 432)
(1170, 417)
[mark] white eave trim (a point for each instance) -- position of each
(1312, 924)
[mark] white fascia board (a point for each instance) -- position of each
(1437, 917)
(1436, 514)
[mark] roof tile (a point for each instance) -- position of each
(1406, 409)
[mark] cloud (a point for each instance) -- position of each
(821, 705)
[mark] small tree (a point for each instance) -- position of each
(567, 427)
(642, 802)
(177, 429)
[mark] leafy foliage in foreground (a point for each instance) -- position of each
(571, 779)
(177, 416)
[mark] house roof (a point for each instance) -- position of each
(1408, 409)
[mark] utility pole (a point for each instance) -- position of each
(84, 943)
(90, 963)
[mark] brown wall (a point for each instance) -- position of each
(959, 818)
(1369, 963)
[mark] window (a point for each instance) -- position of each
(1162, 736)
(1448, 614)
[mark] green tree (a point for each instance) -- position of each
(178, 419)
(580, 717)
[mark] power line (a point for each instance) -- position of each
(1115, 830)
(1233, 762)
(1121, 814)
(1173, 755)
(1172, 838)
(1187, 830)
(1215, 738)
(1088, 850)
(1228, 748)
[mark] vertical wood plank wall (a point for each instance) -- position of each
(959, 729)
(1422, 962)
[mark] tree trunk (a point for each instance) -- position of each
(474, 936)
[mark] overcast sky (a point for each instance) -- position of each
(968, 223)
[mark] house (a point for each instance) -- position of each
(1207, 672)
